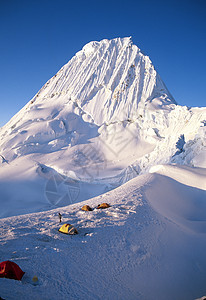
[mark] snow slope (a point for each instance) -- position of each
(105, 129)
(150, 244)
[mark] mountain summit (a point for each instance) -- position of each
(108, 80)
(103, 119)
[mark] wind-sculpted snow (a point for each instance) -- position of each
(108, 80)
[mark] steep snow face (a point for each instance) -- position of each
(103, 88)
(108, 80)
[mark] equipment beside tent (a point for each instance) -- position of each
(9, 269)
(68, 229)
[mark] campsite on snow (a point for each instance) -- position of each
(103, 185)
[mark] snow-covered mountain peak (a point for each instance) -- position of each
(95, 45)
(109, 80)
(105, 118)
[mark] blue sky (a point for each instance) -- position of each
(37, 37)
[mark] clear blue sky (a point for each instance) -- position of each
(37, 37)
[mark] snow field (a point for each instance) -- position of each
(147, 245)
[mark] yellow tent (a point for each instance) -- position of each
(68, 229)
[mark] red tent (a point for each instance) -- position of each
(9, 269)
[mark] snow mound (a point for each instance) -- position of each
(194, 177)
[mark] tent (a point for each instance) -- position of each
(103, 205)
(9, 269)
(68, 229)
(86, 208)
